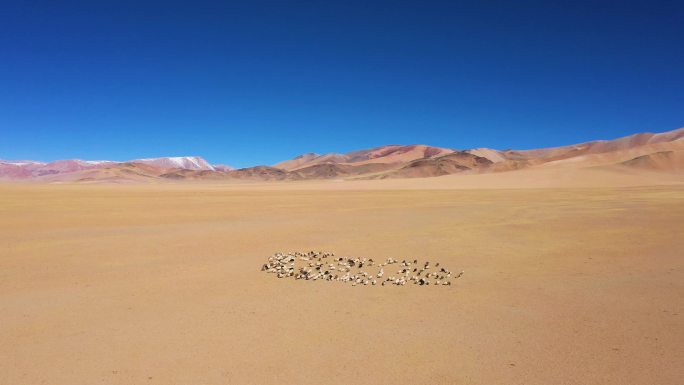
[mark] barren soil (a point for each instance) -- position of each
(161, 284)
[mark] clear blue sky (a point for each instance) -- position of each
(255, 82)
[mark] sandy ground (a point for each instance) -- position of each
(160, 284)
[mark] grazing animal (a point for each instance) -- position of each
(315, 266)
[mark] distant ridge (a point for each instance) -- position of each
(383, 154)
(67, 169)
(653, 152)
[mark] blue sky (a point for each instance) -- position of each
(256, 82)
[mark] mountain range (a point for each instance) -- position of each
(661, 152)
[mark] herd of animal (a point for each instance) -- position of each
(317, 265)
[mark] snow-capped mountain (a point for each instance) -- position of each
(70, 165)
(22, 162)
(26, 169)
(184, 162)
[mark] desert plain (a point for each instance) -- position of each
(579, 281)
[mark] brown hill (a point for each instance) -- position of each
(512, 165)
(262, 173)
(615, 157)
(185, 174)
(494, 156)
(333, 170)
(322, 159)
(322, 171)
(551, 154)
(596, 147)
(666, 161)
(110, 173)
(442, 165)
(383, 154)
(297, 162)
(396, 154)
